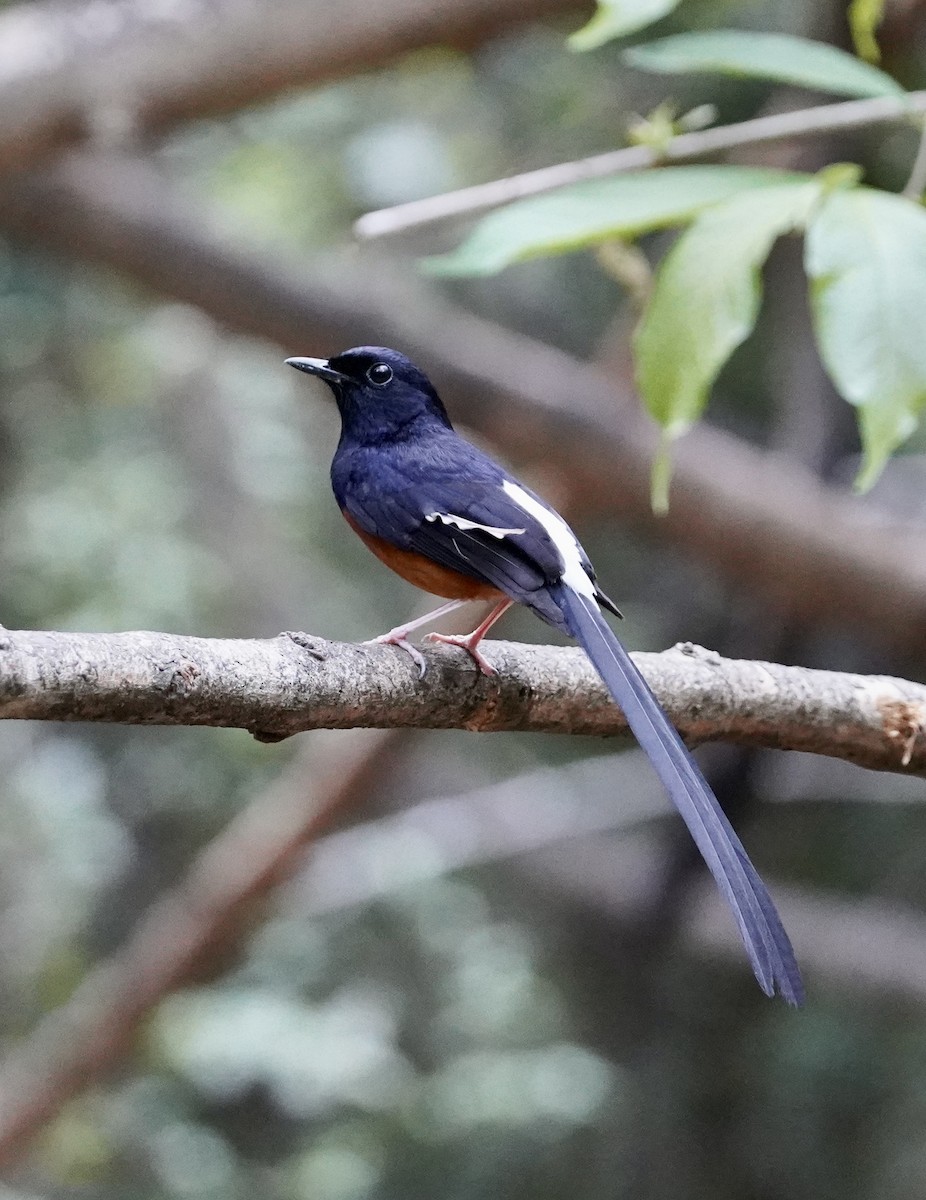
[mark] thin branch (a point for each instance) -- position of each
(779, 127)
(113, 70)
(812, 552)
(276, 688)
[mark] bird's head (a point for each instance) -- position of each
(380, 393)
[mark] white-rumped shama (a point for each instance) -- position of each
(455, 523)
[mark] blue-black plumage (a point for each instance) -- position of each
(450, 519)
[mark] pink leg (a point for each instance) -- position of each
(399, 635)
(470, 641)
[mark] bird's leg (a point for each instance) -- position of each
(470, 641)
(399, 635)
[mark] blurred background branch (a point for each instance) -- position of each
(188, 934)
(122, 69)
(187, 931)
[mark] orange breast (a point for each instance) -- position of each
(425, 574)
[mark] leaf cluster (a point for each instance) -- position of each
(865, 249)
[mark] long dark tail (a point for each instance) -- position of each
(763, 934)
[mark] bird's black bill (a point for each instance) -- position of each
(319, 367)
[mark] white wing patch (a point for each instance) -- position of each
(464, 524)
(562, 537)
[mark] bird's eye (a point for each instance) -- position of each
(380, 374)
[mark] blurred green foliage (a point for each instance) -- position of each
(479, 1033)
(759, 55)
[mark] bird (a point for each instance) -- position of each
(451, 520)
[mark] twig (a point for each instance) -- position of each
(274, 689)
(825, 118)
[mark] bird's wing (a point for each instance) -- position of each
(470, 526)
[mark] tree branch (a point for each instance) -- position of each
(778, 127)
(277, 688)
(813, 553)
(116, 68)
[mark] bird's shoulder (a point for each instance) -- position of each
(423, 471)
(432, 489)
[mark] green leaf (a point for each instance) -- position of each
(706, 299)
(864, 18)
(775, 56)
(621, 206)
(866, 258)
(616, 18)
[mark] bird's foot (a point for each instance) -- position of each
(467, 642)
(399, 637)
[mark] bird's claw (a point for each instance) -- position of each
(465, 642)
(396, 638)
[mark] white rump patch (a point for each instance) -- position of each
(562, 537)
(463, 523)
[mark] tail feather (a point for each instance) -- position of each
(763, 934)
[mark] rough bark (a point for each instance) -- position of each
(276, 687)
